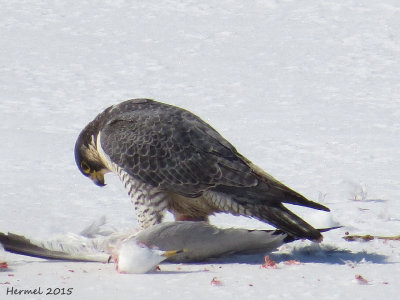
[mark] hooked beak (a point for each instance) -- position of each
(98, 178)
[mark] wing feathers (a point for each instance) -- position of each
(187, 155)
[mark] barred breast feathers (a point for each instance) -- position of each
(150, 202)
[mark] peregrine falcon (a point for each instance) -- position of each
(170, 159)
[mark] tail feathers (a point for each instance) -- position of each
(297, 199)
(20, 245)
(276, 191)
(270, 190)
(267, 193)
(290, 238)
(285, 220)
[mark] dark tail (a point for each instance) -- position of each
(264, 202)
(271, 193)
(282, 218)
(292, 197)
(290, 238)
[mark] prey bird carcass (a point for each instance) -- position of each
(140, 251)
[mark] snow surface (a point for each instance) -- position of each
(308, 90)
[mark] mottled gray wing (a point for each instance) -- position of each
(171, 148)
(203, 240)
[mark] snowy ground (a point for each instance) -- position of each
(308, 90)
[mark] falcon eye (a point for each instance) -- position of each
(85, 167)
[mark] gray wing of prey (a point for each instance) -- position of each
(201, 241)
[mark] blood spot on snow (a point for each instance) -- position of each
(269, 263)
(292, 262)
(216, 282)
(361, 280)
(3, 265)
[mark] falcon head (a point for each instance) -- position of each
(87, 157)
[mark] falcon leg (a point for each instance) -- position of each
(182, 217)
(150, 203)
(148, 216)
(150, 206)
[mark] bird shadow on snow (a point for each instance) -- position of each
(306, 254)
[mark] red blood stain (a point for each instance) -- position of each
(361, 280)
(216, 282)
(269, 263)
